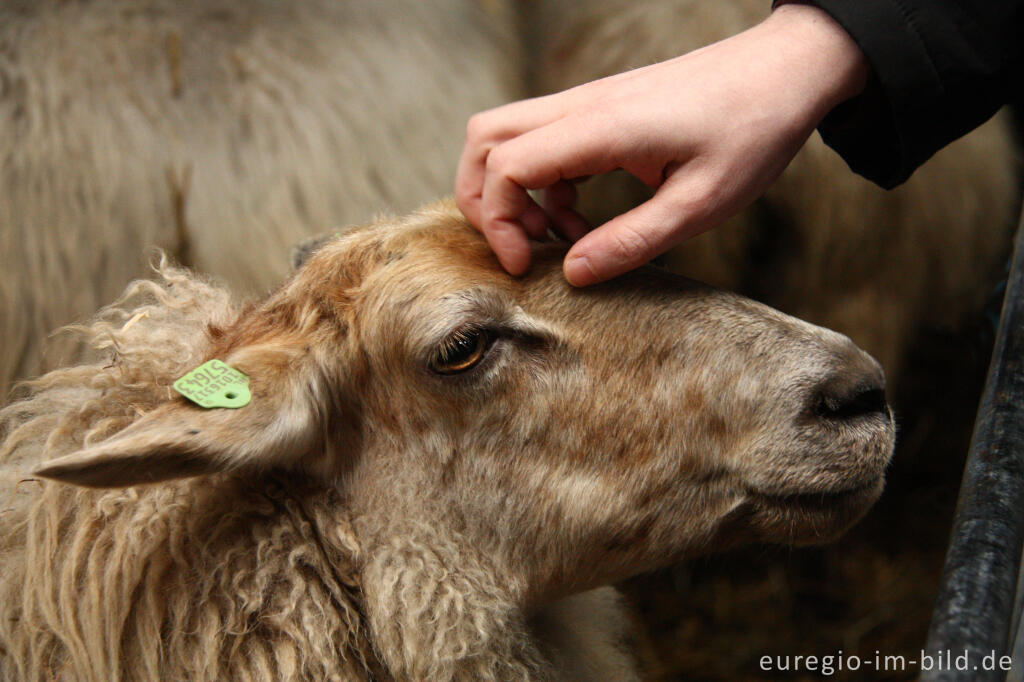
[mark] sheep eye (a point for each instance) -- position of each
(461, 351)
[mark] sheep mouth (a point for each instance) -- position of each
(812, 518)
(855, 498)
(827, 500)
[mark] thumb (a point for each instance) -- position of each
(632, 239)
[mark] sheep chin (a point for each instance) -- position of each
(813, 517)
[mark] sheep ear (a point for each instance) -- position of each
(305, 249)
(302, 251)
(180, 440)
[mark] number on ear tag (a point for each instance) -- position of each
(215, 384)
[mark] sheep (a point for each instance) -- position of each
(220, 131)
(438, 466)
(823, 244)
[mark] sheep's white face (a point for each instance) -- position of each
(579, 436)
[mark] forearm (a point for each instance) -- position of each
(939, 69)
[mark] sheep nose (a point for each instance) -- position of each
(859, 402)
(855, 388)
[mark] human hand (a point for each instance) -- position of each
(710, 130)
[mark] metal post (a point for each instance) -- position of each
(974, 612)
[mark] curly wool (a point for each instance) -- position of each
(443, 617)
(213, 578)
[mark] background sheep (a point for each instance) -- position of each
(427, 513)
(220, 131)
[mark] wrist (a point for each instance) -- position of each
(821, 54)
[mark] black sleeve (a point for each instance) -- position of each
(940, 69)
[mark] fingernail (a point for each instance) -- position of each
(578, 271)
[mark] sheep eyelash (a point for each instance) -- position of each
(445, 360)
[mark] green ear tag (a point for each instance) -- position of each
(214, 384)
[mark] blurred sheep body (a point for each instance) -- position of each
(220, 131)
(386, 508)
(823, 244)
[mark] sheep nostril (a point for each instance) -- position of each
(859, 402)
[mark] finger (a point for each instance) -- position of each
(507, 223)
(486, 130)
(569, 224)
(469, 179)
(568, 149)
(633, 239)
(535, 160)
(562, 194)
(535, 220)
(557, 203)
